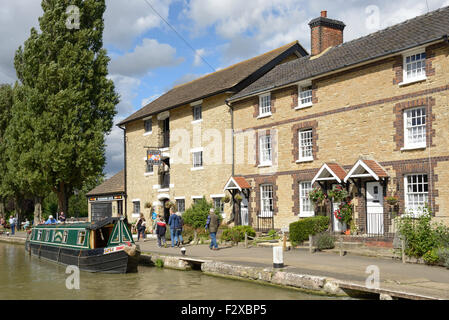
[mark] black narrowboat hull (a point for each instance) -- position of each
(91, 260)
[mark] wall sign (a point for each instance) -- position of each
(154, 157)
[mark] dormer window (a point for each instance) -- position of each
(265, 105)
(305, 97)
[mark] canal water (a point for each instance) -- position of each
(26, 277)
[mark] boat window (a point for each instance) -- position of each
(53, 236)
(81, 237)
(65, 236)
(39, 235)
(47, 235)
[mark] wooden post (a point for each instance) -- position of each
(403, 250)
(310, 243)
(341, 246)
(246, 240)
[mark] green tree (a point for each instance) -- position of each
(6, 94)
(66, 91)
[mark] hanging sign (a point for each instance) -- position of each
(154, 157)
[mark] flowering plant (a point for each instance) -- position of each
(344, 212)
(317, 195)
(338, 193)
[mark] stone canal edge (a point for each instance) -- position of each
(269, 276)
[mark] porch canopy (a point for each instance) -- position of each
(330, 172)
(367, 169)
(237, 183)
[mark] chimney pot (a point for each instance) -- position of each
(324, 14)
(325, 33)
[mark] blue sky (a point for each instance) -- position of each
(148, 58)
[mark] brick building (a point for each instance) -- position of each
(370, 115)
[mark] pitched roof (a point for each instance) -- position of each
(237, 183)
(366, 168)
(217, 82)
(330, 171)
(114, 185)
(408, 34)
(376, 168)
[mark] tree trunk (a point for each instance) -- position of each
(37, 210)
(63, 194)
(2, 207)
(18, 202)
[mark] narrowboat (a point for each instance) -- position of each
(104, 246)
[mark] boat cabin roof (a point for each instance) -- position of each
(87, 225)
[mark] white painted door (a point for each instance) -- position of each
(374, 208)
(244, 211)
(338, 225)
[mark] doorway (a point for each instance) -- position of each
(166, 210)
(374, 208)
(244, 212)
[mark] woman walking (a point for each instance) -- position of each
(141, 226)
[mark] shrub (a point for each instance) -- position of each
(300, 230)
(443, 256)
(431, 256)
(237, 233)
(324, 241)
(159, 263)
(272, 233)
(196, 215)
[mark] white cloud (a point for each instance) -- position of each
(146, 57)
(126, 20)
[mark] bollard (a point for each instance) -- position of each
(246, 240)
(278, 258)
(284, 242)
(310, 243)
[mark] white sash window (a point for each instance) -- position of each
(305, 204)
(265, 105)
(305, 145)
(266, 198)
(415, 128)
(265, 156)
(416, 193)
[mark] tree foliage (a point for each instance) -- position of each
(66, 103)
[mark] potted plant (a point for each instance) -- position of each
(344, 214)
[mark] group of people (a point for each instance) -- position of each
(176, 224)
(51, 220)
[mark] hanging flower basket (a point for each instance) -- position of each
(238, 198)
(344, 213)
(338, 193)
(392, 200)
(226, 199)
(317, 196)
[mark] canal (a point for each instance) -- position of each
(25, 277)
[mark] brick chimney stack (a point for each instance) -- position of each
(325, 33)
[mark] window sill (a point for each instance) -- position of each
(413, 148)
(197, 121)
(197, 169)
(265, 165)
(265, 115)
(164, 149)
(164, 190)
(148, 133)
(147, 174)
(410, 81)
(304, 106)
(304, 160)
(306, 214)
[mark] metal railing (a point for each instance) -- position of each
(379, 225)
(265, 221)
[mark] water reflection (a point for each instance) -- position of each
(26, 277)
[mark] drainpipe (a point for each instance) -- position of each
(125, 207)
(232, 128)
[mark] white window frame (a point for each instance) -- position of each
(411, 144)
(308, 145)
(304, 97)
(195, 164)
(177, 204)
(266, 203)
(65, 236)
(415, 209)
(134, 207)
(265, 105)
(78, 242)
(221, 203)
(412, 55)
(265, 150)
(304, 188)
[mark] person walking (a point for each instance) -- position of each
(12, 224)
(141, 226)
(179, 229)
(161, 228)
(212, 224)
(173, 222)
(153, 219)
